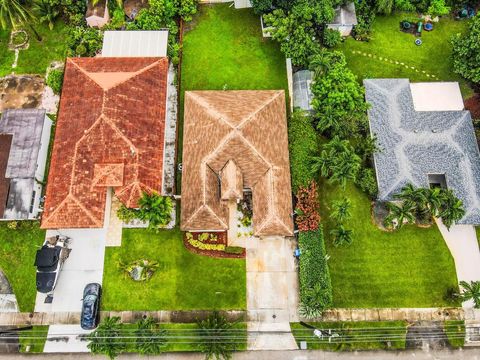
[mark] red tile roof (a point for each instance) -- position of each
(110, 133)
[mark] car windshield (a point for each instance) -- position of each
(88, 306)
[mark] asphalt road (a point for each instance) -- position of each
(465, 354)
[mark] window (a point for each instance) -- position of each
(32, 202)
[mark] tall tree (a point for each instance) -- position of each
(452, 209)
(150, 340)
(106, 339)
(400, 214)
(471, 291)
(215, 334)
(466, 52)
(13, 14)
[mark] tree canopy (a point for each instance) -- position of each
(466, 52)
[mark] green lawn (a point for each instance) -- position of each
(455, 330)
(360, 335)
(35, 338)
(39, 55)
(17, 255)
(411, 267)
(433, 56)
(223, 48)
(184, 281)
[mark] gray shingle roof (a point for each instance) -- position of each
(26, 127)
(417, 143)
(302, 95)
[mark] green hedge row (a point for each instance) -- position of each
(315, 283)
(302, 143)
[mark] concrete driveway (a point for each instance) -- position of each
(66, 339)
(83, 266)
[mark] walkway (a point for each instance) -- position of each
(272, 292)
(463, 244)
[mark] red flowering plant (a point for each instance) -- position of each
(307, 218)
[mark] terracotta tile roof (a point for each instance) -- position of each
(110, 132)
(249, 130)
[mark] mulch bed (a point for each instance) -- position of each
(221, 240)
(473, 105)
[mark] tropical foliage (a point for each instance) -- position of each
(471, 291)
(341, 236)
(302, 143)
(306, 210)
(46, 12)
(140, 270)
(84, 41)
(337, 162)
(150, 339)
(466, 52)
(55, 80)
(215, 333)
(341, 210)
(13, 13)
(107, 339)
(338, 99)
(315, 283)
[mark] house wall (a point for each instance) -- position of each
(345, 30)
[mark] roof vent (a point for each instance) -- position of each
(415, 131)
(434, 131)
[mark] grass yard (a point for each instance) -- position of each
(184, 281)
(39, 55)
(34, 338)
(360, 335)
(455, 330)
(223, 48)
(17, 255)
(433, 56)
(411, 267)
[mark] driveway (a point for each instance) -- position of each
(66, 339)
(83, 266)
(463, 244)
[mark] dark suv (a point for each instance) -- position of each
(90, 306)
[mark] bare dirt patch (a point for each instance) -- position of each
(21, 92)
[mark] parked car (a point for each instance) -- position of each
(90, 306)
(49, 261)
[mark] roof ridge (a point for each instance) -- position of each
(267, 102)
(211, 110)
(136, 73)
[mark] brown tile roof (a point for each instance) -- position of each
(250, 128)
(110, 132)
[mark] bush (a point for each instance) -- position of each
(315, 283)
(302, 143)
(237, 250)
(307, 218)
(331, 38)
(365, 16)
(367, 182)
(212, 334)
(466, 52)
(127, 214)
(187, 8)
(55, 80)
(438, 8)
(84, 41)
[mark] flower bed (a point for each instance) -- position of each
(212, 244)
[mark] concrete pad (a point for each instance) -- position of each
(271, 290)
(83, 266)
(66, 339)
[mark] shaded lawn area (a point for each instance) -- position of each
(183, 281)
(223, 48)
(183, 337)
(360, 335)
(39, 54)
(411, 267)
(17, 255)
(434, 56)
(455, 330)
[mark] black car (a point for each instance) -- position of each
(90, 306)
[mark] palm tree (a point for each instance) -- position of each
(106, 339)
(471, 291)
(150, 340)
(341, 236)
(155, 209)
(13, 13)
(341, 209)
(368, 146)
(452, 209)
(215, 333)
(46, 12)
(400, 214)
(434, 200)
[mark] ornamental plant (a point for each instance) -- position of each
(307, 218)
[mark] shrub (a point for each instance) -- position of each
(315, 283)
(84, 41)
(203, 246)
(307, 218)
(187, 8)
(155, 209)
(150, 339)
(213, 332)
(12, 225)
(107, 339)
(466, 52)
(331, 38)
(438, 8)
(302, 143)
(365, 16)
(127, 214)
(55, 80)
(367, 182)
(237, 250)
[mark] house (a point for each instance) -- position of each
(135, 43)
(97, 14)
(236, 142)
(109, 138)
(242, 4)
(24, 141)
(345, 19)
(425, 138)
(302, 94)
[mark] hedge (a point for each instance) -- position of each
(315, 283)
(303, 143)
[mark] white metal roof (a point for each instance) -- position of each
(135, 43)
(436, 96)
